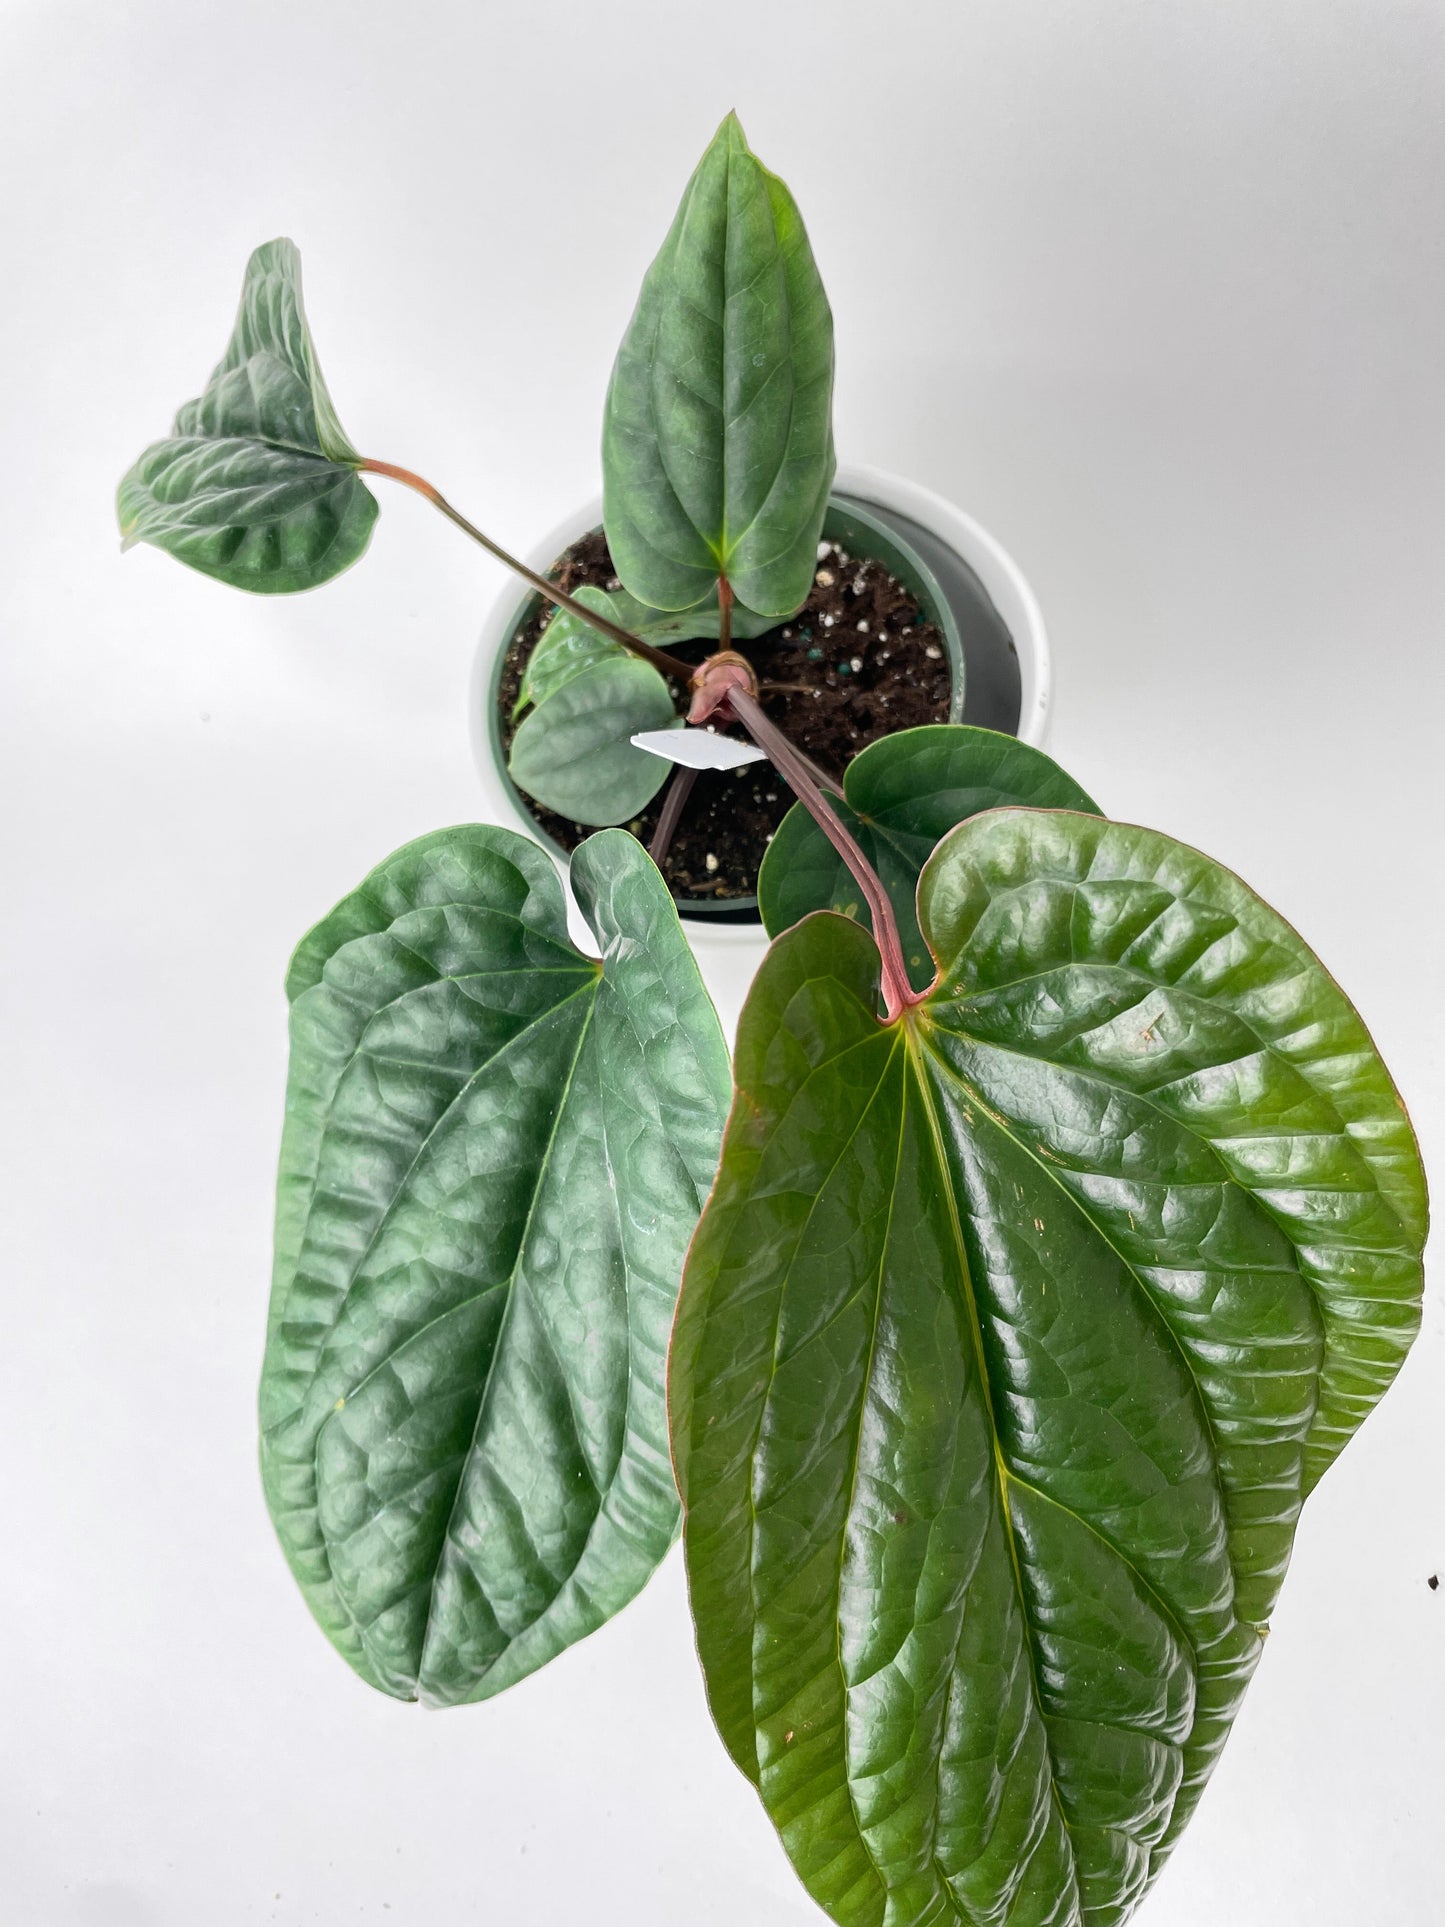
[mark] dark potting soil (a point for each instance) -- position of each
(859, 663)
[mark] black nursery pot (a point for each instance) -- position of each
(961, 579)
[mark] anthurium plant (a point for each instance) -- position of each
(986, 1325)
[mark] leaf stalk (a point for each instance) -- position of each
(659, 658)
(793, 767)
(678, 791)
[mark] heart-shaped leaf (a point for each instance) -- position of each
(904, 793)
(574, 752)
(256, 483)
(1012, 1337)
(494, 1154)
(717, 446)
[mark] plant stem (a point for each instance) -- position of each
(659, 658)
(725, 613)
(678, 791)
(898, 993)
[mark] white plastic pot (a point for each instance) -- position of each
(1011, 676)
(940, 530)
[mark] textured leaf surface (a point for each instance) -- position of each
(903, 794)
(494, 1154)
(1011, 1339)
(717, 446)
(256, 483)
(574, 752)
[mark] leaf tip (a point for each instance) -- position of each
(281, 249)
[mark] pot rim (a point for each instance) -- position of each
(1008, 587)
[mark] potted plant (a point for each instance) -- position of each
(875, 646)
(986, 1326)
(989, 632)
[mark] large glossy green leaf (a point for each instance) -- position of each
(494, 1154)
(904, 793)
(256, 483)
(574, 752)
(1012, 1337)
(717, 447)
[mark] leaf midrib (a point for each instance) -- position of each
(506, 1319)
(1002, 1474)
(277, 447)
(352, 1283)
(723, 550)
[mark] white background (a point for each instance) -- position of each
(1155, 291)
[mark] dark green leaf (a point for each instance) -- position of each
(904, 793)
(717, 447)
(574, 752)
(494, 1154)
(1012, 1338)
(256, 483)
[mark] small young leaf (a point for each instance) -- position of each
(574, 752)
(1011, 1340)
(494, 1154)
(717, 447)
(568, 644)
(904, 793)
(256, 483)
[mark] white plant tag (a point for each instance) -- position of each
(697, 748)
